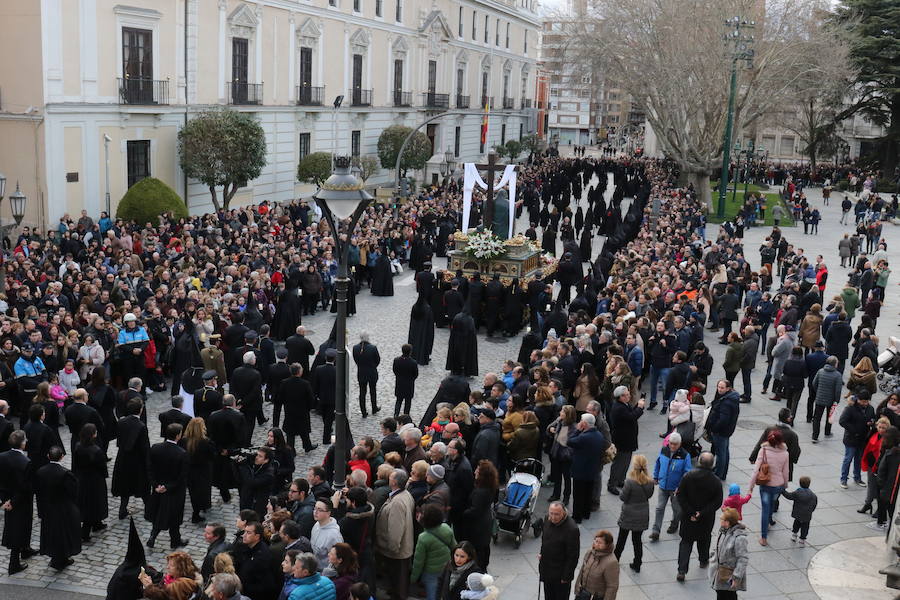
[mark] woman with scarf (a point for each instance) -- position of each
(463, 562)
(599, 574)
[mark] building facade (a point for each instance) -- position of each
(572, 115)
(79, 78)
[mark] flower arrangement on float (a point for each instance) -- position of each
(485, 246)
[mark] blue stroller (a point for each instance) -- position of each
(514, 510)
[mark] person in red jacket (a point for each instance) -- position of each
(870, 462)
(359, 462)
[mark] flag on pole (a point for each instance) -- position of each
(484, 122)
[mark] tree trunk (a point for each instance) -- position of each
(215, 197)
(701, 185)
(228, 192)
(891, 143)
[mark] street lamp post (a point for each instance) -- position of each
(341, 196)
(17, 202)
(741, 51)
(106, 141)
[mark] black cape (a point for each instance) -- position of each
(382, 278)
(288, 312)
(462, 349)
(421, 331)
(124, 584)
(453, 390)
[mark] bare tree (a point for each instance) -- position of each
(671, 58)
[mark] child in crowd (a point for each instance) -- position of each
(57, 391)
(735, 500)
(360, 591)
(805, 502)
(481, 587)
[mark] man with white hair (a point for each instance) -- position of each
(623, 422)
(367, 359)
(246, 385)
(672, 464)
(587, 446)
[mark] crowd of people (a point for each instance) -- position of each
(96, 313)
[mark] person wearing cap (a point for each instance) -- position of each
(29, 371)
(208, 399)
(323, 383)
(213, 358)
(438, 491)
(246, 385)
(131, 343)
(276, 374)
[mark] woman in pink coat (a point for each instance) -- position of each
(774, 454)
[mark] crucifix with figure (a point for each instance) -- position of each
(487, 218)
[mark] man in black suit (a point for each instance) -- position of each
(132, 458)
(405, 372)
(16, 497)
(6, 426)
(267, 352)
(246, 385)
(233, 338)
(299, 350)
(173, 415)
(367, 359)
(226, 430)
(324, 380)
(40, 437)
(297, 396)
(78, 414)
(208, 399)
(453, 300)
(135, 385)
(277, 373)
(56, 489)
(168, 480)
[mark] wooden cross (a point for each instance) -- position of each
(487, 218)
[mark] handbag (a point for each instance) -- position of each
(724, 574)
(584, 595)
(831, 412)
(763, 476)
(609, 455)
(560, 453)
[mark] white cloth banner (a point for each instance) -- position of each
(473, 178)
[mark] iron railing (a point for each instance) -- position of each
(402, 98)
(138, 90)
(360, 97)
(434, 100)
(242, 93)
(308, 95)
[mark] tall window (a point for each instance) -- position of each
(354, 142)
(240, 64)
(432, 76)
(304, 145)
(497, 33)
(457, 133)
(398, 13)
(357, 79)
(378, 7)
(460, 80)
(526, 42)
(484, 87)
(507, 34)
(503, 133)
(356, 4)
(138, 160)
(474, 24)
(137, 65)
(460, 21)
(486, 17)
(521, 130)
(305, 66)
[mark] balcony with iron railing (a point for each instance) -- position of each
(435, 100)
(138, 90)
(401, 98)
(462, 101)
(308, 95)
(487, 100)
(508, 103)
(242, 93)
(360, 97)
(526, 103)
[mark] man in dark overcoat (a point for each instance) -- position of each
(16, 497)
(133, 457)
(56, 489)
(168, 481)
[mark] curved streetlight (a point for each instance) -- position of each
(17, 204)
(341, 196)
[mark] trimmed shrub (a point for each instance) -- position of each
(147, 200)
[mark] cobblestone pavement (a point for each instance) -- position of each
(778, 571)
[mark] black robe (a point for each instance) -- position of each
(513, 309)
(56, 489)
(288, 313)
(421, 331)
(462, 349)
(16, 476)
(453, 390)
(132, 459)
(530, 341)
(548, 241)
(169, 468)
(89, 466)
(124, 584)
(382, 278)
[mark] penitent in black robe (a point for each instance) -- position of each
(421, 331)
(382, 278)
(462, 349)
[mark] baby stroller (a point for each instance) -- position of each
(889, 367)
(515, 508)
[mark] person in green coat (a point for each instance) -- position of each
(851, 300)
(432, 550)
(733, 356)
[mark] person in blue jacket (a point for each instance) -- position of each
(587, 445)
(672, 464)
(131, 342)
